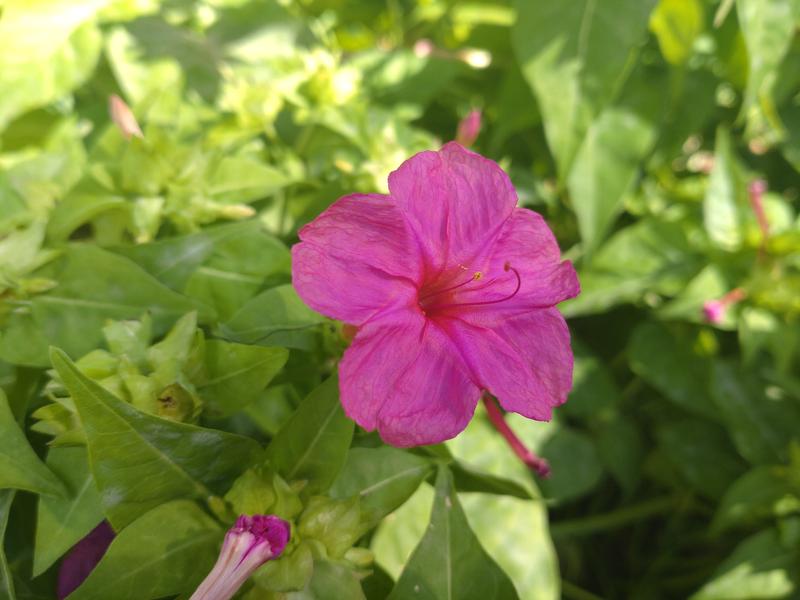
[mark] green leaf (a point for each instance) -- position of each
(276, 317)
(449, 561)
(621, 449)
(20, 468)
(62, 522)
(574, 464)
(594, 391)
(652, 255)
(93, 286)
(524, 551)
(140, 461)
(167, 551)
(173, 260)
(667, 360)
(701, 452)
(575, 56)
(761, 493)
(383, 478)
(245, 179)
(760, 567)
(725, 205)
(688, 305)
(313, 445)
(469, 479)
(605, 167)
(78, 208)
(677, 24)
(330, 580)
(768, 29)
(761, 426)
(244, 259)
(47, 48)
(235, 374)
(6, 576)
(575, 467)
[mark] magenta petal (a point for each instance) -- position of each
(527, 244)
(525, 361)
(403, 377)
(355, 259)
(454, 200)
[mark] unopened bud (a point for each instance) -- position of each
(123, 118)
(468, 128)
(423, 48)
(714, 311)
(236, 211)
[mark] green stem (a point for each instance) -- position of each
(614, 519)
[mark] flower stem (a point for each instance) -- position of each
(538, 465)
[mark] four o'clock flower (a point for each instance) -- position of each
(453, 290)
(250, 543)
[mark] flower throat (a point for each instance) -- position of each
(429, 302)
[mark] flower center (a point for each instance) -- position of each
(469, 292)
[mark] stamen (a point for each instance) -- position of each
(506, 267)
(475, 277)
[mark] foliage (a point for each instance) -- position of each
(158, 370)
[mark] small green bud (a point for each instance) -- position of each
(177, 403)
(98, 364)
(361, 558)
(35, 285)
(252, 492)
(291, 572)
(130, 338)
(141, 389)
(335, 523)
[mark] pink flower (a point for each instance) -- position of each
(250, 543)
(468, 128)
(453, 290)
(714, 311)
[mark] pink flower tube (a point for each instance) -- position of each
(452, 288)
(250, 543)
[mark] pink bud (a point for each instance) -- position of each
(714, 310)
(250, 543)
(123, 117)
(423, 48)
(468, 128)
(756, 190)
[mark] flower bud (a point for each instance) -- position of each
(714, 310)
(334, 523)
(468, 128)
(250, 543)
(123, 118)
